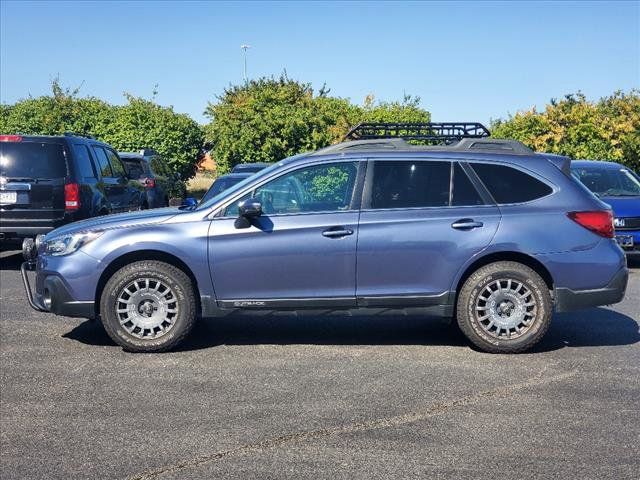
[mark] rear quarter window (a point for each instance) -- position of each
(510, 185)
(32, 160)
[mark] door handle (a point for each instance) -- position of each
(466, 224)
(337, 233)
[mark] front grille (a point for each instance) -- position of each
(630, 223)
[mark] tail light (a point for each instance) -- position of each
(10, 138)
(149, 182)
(71, 197)
(599, 222)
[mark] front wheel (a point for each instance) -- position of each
(504, 307)
(148, 306)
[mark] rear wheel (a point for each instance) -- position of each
(148, 306)
(504, 307)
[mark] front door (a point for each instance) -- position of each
(420, 223)
(301, 252)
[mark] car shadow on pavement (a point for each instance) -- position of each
(589, 328)
(10, 259)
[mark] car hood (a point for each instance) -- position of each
(623, 206)
(118, 220)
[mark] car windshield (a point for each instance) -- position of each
(239, 186)
(609, 182)
(220, 185)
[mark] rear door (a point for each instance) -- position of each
(131, 190)
(421, 221)
(32, 178)
(113, 188)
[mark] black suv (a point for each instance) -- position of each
(48, 181)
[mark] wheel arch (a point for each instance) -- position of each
(511, 256)
(138, 255)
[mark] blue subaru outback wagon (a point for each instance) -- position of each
(482, 230)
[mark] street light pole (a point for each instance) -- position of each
(245, 48)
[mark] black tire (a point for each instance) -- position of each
(490, 303)
(179, 296)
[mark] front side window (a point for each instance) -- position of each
(510, 185)
(410, 184)
(318, 188)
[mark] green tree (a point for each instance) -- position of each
(269, 119)
(143, 123)
(138, 124)
(607, 129)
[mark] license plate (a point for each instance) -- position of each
(625, 241)
(8, 197)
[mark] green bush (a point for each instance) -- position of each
(269, 119)
(608, 129)
(139, 124)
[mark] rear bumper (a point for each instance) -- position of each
(23, 232)
(54, 296)
(11, 227)
(567, 299)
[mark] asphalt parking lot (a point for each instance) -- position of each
(318, 396)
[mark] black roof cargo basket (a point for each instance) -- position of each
(431, 133)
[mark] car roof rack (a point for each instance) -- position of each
(451, 137)
(74, 134)
(430, 132)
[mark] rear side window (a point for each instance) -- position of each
(133, 167)
(116, 164)
(509, 185)
(407, 184)
(32, 160)
(105, 169)
(83, 161)
(464, 193)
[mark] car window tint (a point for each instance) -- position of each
(407, 184)
(608, 182)
(509, 185)
(105, 169)
(464, 193)
(32, 160)
(312, 189)
(116, 164)
(83, 161)
(134, 168)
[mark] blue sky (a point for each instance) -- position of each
(467, 61)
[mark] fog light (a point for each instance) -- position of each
(29, 251)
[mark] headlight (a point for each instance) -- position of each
(67, 244)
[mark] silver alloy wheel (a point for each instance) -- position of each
(147, 308)
(506, 309)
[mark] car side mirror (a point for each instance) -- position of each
(250, 208)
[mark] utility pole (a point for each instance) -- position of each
(245, 48)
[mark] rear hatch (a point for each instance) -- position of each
(32, 179)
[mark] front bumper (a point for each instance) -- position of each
(567, 299)
(54, 296)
